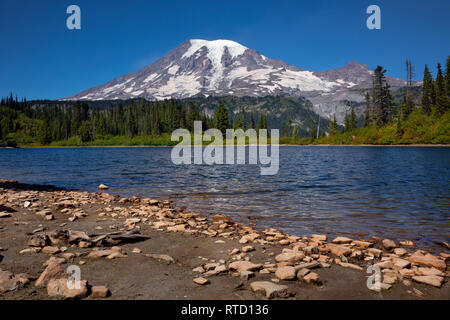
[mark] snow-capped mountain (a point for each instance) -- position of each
(224, 67)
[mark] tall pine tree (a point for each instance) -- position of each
(222, 118)
(427, 91)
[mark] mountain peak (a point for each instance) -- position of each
(354, 63)
(215, 49)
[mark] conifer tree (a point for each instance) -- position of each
(296, 132)
(252, 121)
(222, 118)
(240, 122)
(447, 76)
(367, 117)
(313, 131)
(440, 91)
(333, 126)
(353, 120)
(346, 123)
(427, 91)
(44, 133)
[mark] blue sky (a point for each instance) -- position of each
(40, 58)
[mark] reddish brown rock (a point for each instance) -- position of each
(290, 256)
(285, 273)
(312, 277)
(99, 292)
(244, 266)
(201, 281)
(389, 244)
(270, 289)
(428, 261)
(60, 288)
(342, 240)
(53, 271)
(338, 250)
(435, 281)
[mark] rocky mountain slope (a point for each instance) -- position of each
(224, 67)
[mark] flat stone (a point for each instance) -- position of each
(100, 253)
(389, 278)
(178, 228)
(30, 250)
(428, 261)
(307, 265)
(38, 240)
(435, 281)
(50, 250)
(68, 255)
(302, 272)
(244, 266)
(7, 281)
(201, 281)
(285, 273)
(103, 187)
(60, 288)
(162, 257)
(406, 272)
(99, 292)
(270, 289)
(389, 244)
(338, 250)
(216, 271)
(53, 271)
(350, 265)
(245, 275)
(407, 244)
(400, 251)
(401, 264)
(380, 286)
(429, 272)
(387, 264)
(54, 260)
(290, 257)
(115, 255)
(342, 240)
(319, 237)
(198, 269)
(362, 244)
(247, 249)
(374, 252)
(312, 277)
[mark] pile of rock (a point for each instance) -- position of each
(58, 283)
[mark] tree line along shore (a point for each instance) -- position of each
(412, 120)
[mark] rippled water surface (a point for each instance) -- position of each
(398, 192)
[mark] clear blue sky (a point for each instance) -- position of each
(40, 58)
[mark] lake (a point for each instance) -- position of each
(395, 192)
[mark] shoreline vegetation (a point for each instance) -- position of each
(119, 241)
(407, 119)
(418, 130)
(387, 120)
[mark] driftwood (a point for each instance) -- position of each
(116, 238)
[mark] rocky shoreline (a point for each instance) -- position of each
(141, 248)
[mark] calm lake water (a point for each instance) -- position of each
(396, 192)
